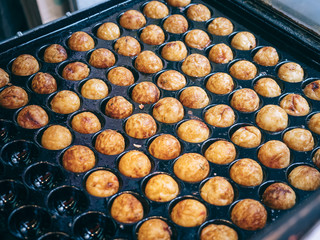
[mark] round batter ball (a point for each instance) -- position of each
(155, 10)
(243, 70)
(145, 93)
(110, 142)
(218, 232)
(56, 137)
(196, 65)
(279, 196)
(165, 147)
(141, 126)
(13, 97)
(193, 131)
(126, 208)
(220, 53)
(189, 213)
(108, 31)
(148, 62)
(176, 24)
(304, 178)
(274, 154)
(245, 100)
(291, 72)
(220, 83)
(132, 19)
(220, 26)
(94, 89)
(220, 116)
(191, 167)
(266, 56)
(316, 158)
(154, 229)
(243, 41)
(246, 172)
(174, 51)
(32, 117)
(171, 80)
(249, 214)
(272, 118)
(78, 159)
(221, 152)
(312, 90)
(314, 123)
(25, 65)
(161, 188)
(44, 83)
(75, 71)
(102, 183)
(295, 105)
(217, 191)
(80, 41)
(134, 164)
(86, 123)
(152, 35)
(118, 107)
(168, 110)
(178, 3)
(127, 46)
(299, 139)
(198, 13)
(247, 137)
(121, 76)
(102, 58)
(194, 97)
(55, 53)
(65, 102)
(197, 39)
(4, 78)
(267, 87)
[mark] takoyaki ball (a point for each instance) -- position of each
(25, 65)
(243, 41)
(134, 164)
(120, 76)
(305, 178)
(198, 13)
(196, 65)
(80, 41)
(132, 19)
(178, 3)
(243, 70)
(194, 97)
(291, 72)
(55, 53)
(220, 116)
(171, 80)
(274, 154)
(78, 159)
(44, 83)
(267, 87)
(189, 213)
(197, 39)
(4, 78)
(176, 24)
(295, 105)
(102, 183)
(86, 123)
(155, 10)
(168, 110)
(75, 71)
(165, 147)
(127, 46)
(65, 102)
(161, 188)
(218, 232)
(56, 137)
(217, 191)
(266, 56)
(13, 97)
(272, 118)
(191, 167)
(249, 214)
(220, 83)
(94, 89)
(279, 196)
(102, 58)
(110, 142)
(316, 158)
(141, 126)
(154, 229)
(299, 139)
(145, 93)
(246, 172)
(126, 208)
(314, 123)
(193, 131)
(312, 90)
(245, 100)
(247, 137)
(32, 117)
(221, 152)
(108, 31)
(174, 51)
(148, 62)
(220, 26)
(118, 107)
(152, 35)
(220, 53)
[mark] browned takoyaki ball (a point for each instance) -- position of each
(314, 123)
(221, 152)
(154, 229)
(127, 46)
(291, 72)
(75, 71)
(304, 178)
(220, 83)
(274, 154)
(102, 183)
(272, 118)
(118, 107)
(312, 90)
(121, 76)
(155, 10)
(279, 196)
(80, 41)
(55, 53)
(220, 26)
(86, 123)
(110, 142)
(65, 102)
(299, 139)
(174, 51)
(4, 78)
(295, 105)
(145, 93)
(247, 137)
(243, 41)
(193, 131)
(176, 23)
(194, 97)
(56, 137)
(178, 3)
(141, 126)
(152, 35)
(246, 172)
(25, 65)
(220, 116)
(266, 56)
(220, 53)
(134, 164)
(108, 31)
(249, 214)
(13, 97)
(102, 58)
(132, 19)
(168, 110)
(78, 159)
(245, 100)
(198, 13)
(243, 70)
(171, 80)
(44, 83)
(94, 89)
(218, 232)
(148, 62)
(32, 117)
(165, 147)
(316, 158)
(267, 87)
(196, 65)
(197, 39)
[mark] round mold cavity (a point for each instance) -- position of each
(206, 79)
(130, 90)
(55, 236)
(292, 104)
(232, 62)
(280, 84)
(105, 101)
(29, 84)
(62, 65)
(7, 130)
(131, 69)
(84, 82)
(212, 44)
(88, 55)
(99, 117)
(158, 74)
(220, 222)
(17, 77)
(257, 48)
(12, 194)
(280, 63)
(207, 108)
(41, 51)
(98, 25)
(66, 42)
(141, 30)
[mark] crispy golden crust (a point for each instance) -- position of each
(178, 3)
(25, 65)
(221, 152)
(4, 78)
(78, 159)
(176, 23)
(13, 97)
(95, 89)
(243, 41)
(148, 62)
(127, 46)
(218, 232)
(145, 93)
(196, 65)
(316, 158)
(272, 118)
(193, 131)
(194, 97)
(132, 19)
(110, 142)
(165, 147)
(312, 90)
(305, 178)
(245, 100)
(220, 116)
(174, 51)
(274, 154)
(220, 53)
(197, 39)
(295, 105)
(155, 10)
(86, 122)
(299, 139)
(80, 41)
(171, 80)
(75, 71)
(118, 107)
(55, 53)
(243, 70)
(220, 26)
(246, 172)
(102, 58)
(267, 87)
(220, 83)
(198, 13)
(121, 76)
(247, 137)
(56, 137)
(279, 196)
(108, 31)
(266, 56)
(134, 164)
(152, 35)
(65, 102)
(168, 110)
(314, 123)
(141, 126)
(154, 229)
(291, 72)
(102, 183)
(32, 117)
(44, 83)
